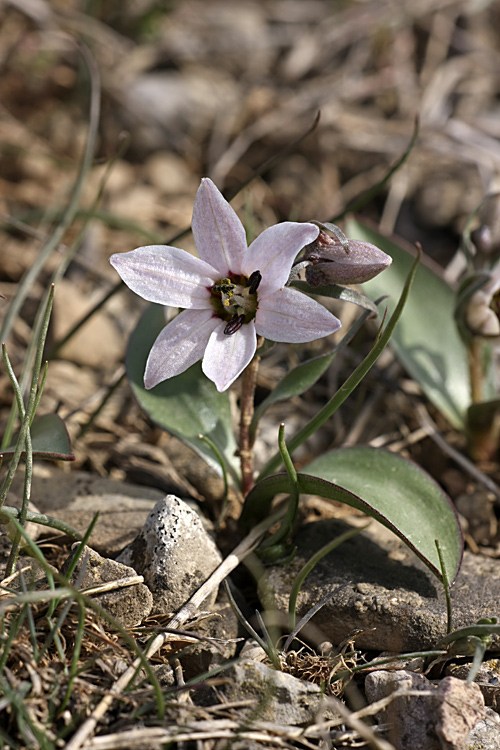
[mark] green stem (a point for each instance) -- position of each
(53, 523)
(271, 547)
(28, 473)
(446, 585)
(103, 614)
(222, 464)
(311, 564)
(476, 371)
(28, 414)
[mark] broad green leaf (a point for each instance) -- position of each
(426, 339)
(49, 438)
(186, 406)
(386, 487)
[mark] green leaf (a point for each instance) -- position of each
(49, 438)
(186, 406)
(295, 382)
(426, 340)
(352, 381)
(302, 377)
(334, 291)
(386, 487)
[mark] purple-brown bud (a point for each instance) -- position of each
(334, 262)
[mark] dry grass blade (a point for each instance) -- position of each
(364, 731)
(101, 588)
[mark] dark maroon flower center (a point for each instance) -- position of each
(234, 299)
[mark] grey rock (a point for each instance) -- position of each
(251, 651)
(440, 719)
(409, 720)
(459, 707)
(488, 679)
(29, 574)
(486, 734)
(76, 497)
(174, 553)
(164, 674)
(276, 696)
(383, 589)
(130, 605)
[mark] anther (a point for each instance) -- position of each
(234, 324)
(254, 281)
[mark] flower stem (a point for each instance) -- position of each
(246, 413)
(476, 370)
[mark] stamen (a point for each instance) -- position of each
(234, 324)
(225, 287)
(254, 281)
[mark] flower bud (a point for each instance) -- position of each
(334, 262)
(482, 314)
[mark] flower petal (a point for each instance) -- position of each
(227, 356)
(166, 275)
(273, 252)
(218, 233)
(179, 345)
(288, 315)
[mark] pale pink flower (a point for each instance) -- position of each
(229, 294)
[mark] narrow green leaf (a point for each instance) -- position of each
(426, 339)
(386, 487)
(186, 406)
(6, 513)
(295, 382)
(302, 377)
(275, 546)
(310, 565)
(368, 195)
